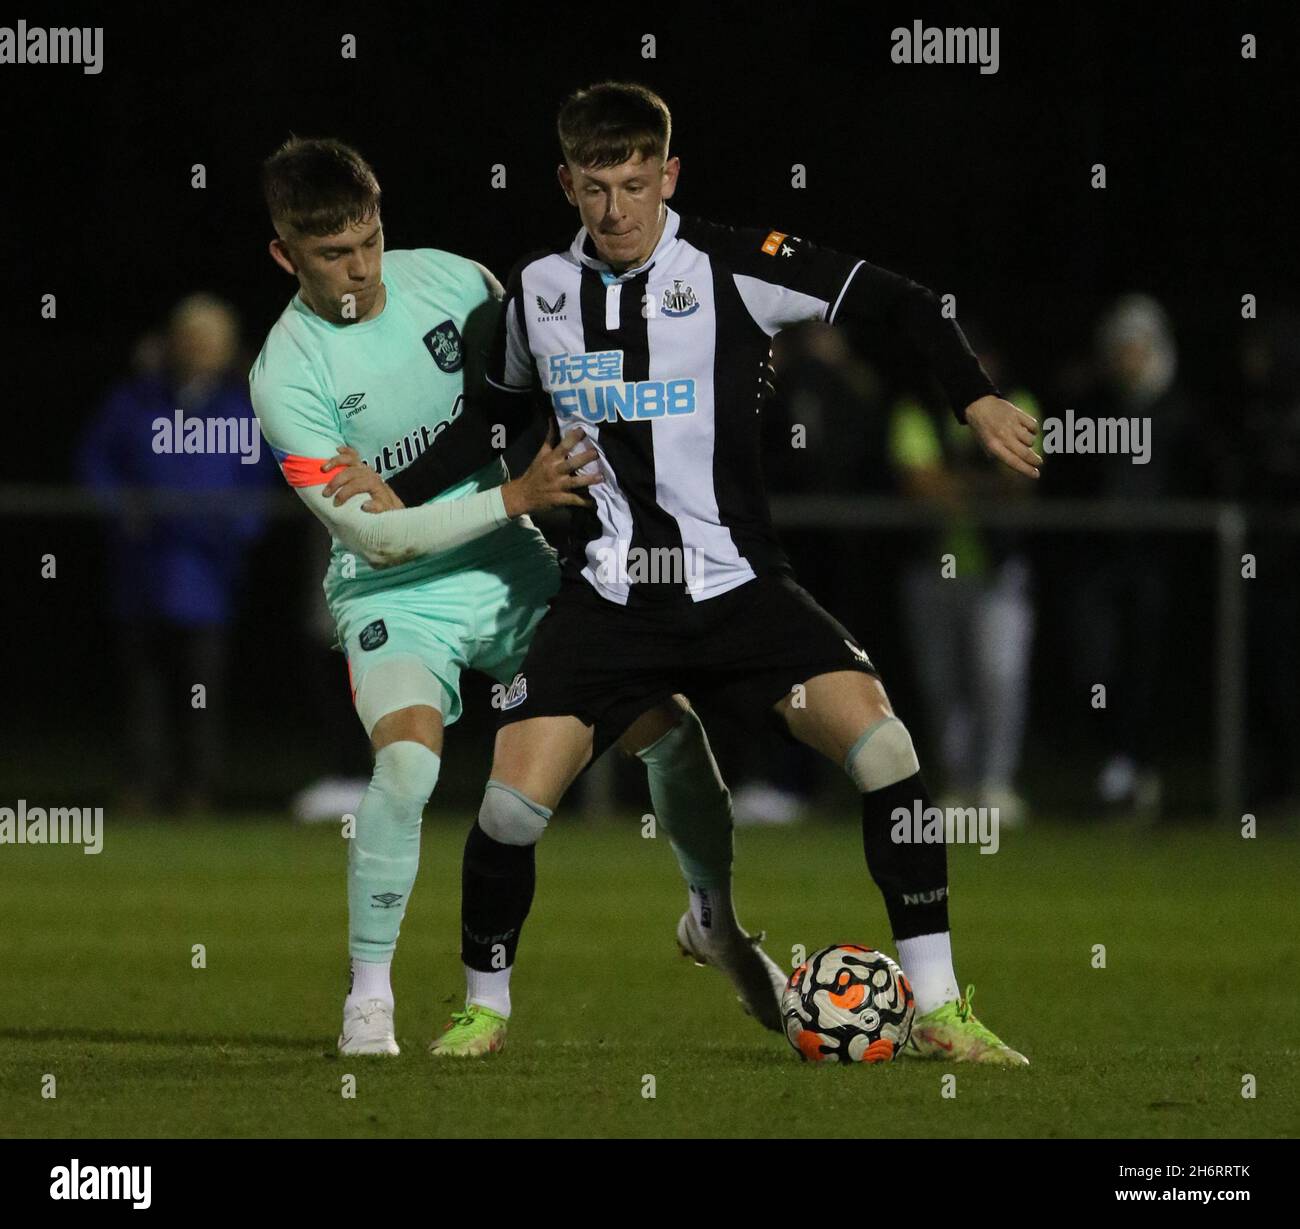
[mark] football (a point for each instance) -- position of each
(848, 1004)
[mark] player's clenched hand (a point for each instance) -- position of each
(1006, 433)
(355, 477)
(552, 480)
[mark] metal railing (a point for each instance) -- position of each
(1229, 524)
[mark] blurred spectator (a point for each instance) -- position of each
(339, 791)
(172, 577)
(828, 395)
(1266, 473)
(822, 433)
(1118, 587)
(971, 629)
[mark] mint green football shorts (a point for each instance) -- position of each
(408, 645)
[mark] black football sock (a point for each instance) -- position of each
(497, 883)
(912, 875)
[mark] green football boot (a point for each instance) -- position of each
(470, 1033)
(952, 1032)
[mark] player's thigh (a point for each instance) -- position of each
(830, 711)
(418, 723)
(653, 724)
(510, 602)
(405, 651)
(541, 756)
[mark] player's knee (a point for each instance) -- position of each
(510, 818)
(883, 755)
(407, 771)
(394, 696)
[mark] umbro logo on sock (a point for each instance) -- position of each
(386, 900)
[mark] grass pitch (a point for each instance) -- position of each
(1197, 992)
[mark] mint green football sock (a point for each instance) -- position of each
(384, 852)
(691, 803)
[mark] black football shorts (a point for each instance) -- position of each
(607, 664)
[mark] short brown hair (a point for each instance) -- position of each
(606, 124)
(318, 186)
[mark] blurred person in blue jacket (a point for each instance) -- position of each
(183, 426)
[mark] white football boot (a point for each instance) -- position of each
(758, 979)
(368, 1028)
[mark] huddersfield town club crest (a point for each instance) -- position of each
(679, 299)
(444, 345)
(373, 636)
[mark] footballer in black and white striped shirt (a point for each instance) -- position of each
(650, 330)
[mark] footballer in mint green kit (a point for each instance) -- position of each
(374, 354)
(386, 387)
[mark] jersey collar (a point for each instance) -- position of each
(584, 251)
(299, 304)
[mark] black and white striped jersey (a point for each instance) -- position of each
(661, 366)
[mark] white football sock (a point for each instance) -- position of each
(370, 980)
(713, 911)
(490, 990)
(927, 961)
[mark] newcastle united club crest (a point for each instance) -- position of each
(679, 299)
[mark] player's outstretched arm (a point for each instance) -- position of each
(533, 492)
(482, 431)
(480, 434)
(301, 428)
(875, 296)
(784, 280)
(387, 538)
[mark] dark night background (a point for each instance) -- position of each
(971, 184)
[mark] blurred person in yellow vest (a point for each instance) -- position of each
(967, 600)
